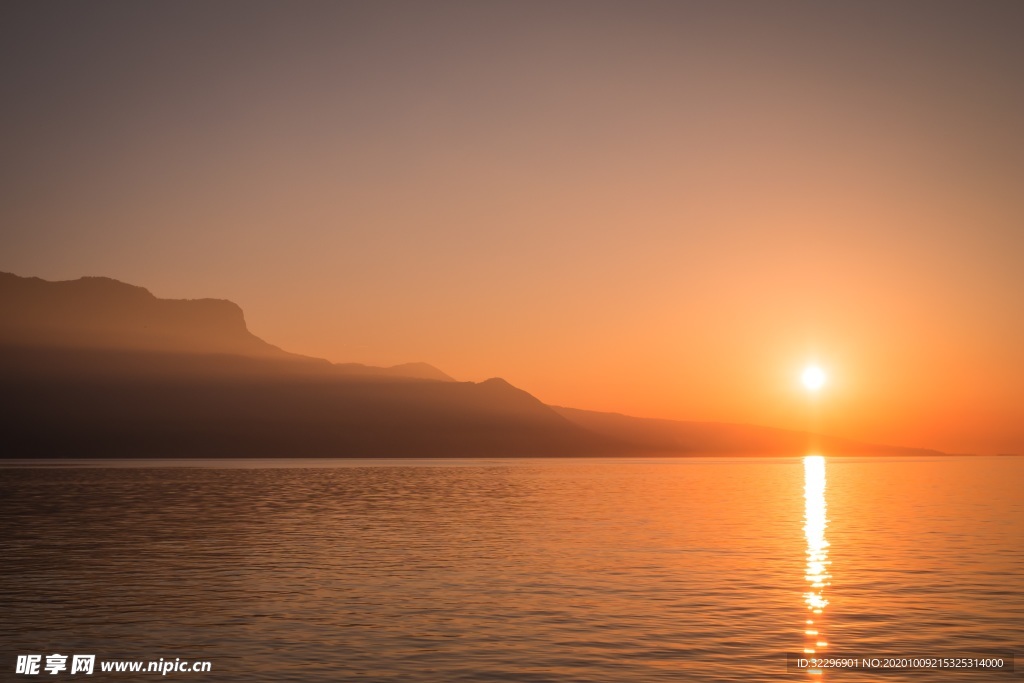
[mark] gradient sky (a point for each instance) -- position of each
(659, 208)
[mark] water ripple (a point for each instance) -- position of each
(496, 571)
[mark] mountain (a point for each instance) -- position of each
(97, 312)
(412, 370)
(101, 313)
(91, 403)
(98, 368)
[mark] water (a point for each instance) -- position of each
(541, 570)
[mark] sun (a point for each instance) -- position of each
(813, 378)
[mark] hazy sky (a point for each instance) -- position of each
(658, 208)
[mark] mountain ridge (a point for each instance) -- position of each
(99, 368)
(101, 312)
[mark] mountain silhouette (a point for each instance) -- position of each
(101, 313)
(98, 312)
(98, 368)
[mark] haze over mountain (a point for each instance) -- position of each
(101, 313)
(98, 368)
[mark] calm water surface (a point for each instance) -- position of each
(541, 570)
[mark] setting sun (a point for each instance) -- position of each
(813, 378)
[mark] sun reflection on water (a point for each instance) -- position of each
(816, 574)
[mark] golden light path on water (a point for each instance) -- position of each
(817, 575)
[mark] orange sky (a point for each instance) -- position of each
(663, 209)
